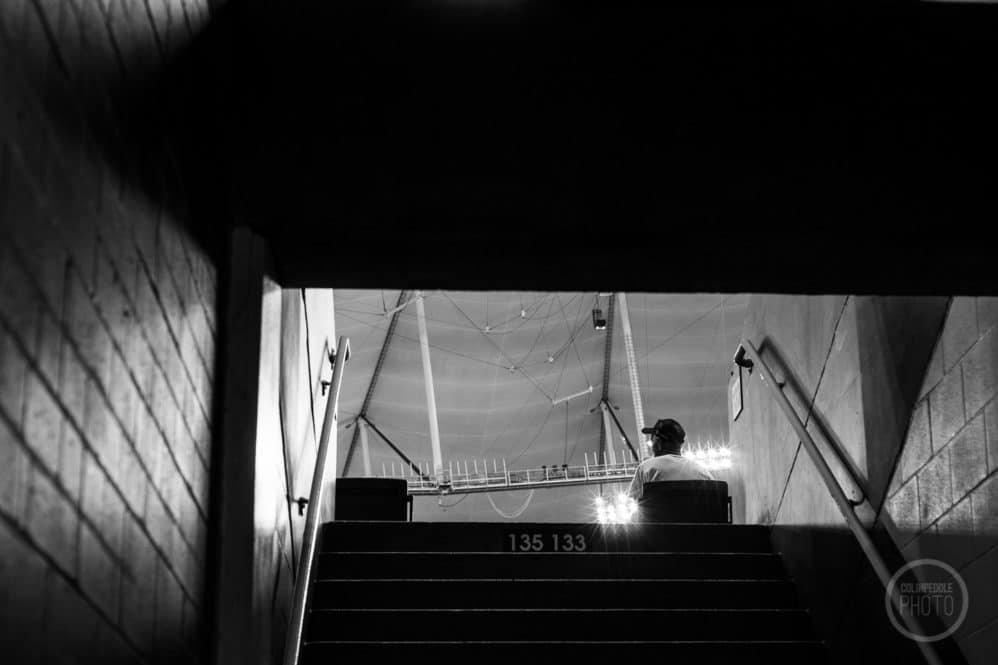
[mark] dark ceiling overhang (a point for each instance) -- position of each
(636, 146)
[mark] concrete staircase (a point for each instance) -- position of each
(676, 593)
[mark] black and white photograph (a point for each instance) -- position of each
(498, 332)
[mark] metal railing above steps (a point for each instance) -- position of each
(299, 605)
(748, 357)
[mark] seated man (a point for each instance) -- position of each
(667, 464)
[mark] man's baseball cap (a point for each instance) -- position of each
(668, 429)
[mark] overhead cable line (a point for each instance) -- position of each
(677, 333)
(532, 308)
(572, 342)
(407, 315)
(547, 417)
(512, 365)
(526, 401)
(432, 346)
(537, 338)
(582, 321)
(516, 414)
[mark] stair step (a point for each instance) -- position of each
(496, 537)
(528, 653)
(494, 565)
(541, 593)
(542, 624)
(703, 593)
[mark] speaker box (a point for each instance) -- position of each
(372, 499)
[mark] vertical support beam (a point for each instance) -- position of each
(431, 400)
(605, 435)
(632, 370)
(608, 429)
(233, 468)
(364, 449)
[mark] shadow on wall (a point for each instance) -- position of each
(128, 95)
(851, 369)
(108, 337)
(848, 603)
(848, 474)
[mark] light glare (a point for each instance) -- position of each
(710, 457)
(619, 511)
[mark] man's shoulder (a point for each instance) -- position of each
(664, 460)
(674, 464)
(656, 461)
(657, 464)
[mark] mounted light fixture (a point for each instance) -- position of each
(599, 321)
(559, 400)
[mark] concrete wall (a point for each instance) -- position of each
(801, 330)
(276, 357)
(943, 497)
(852, 368)
(107, 353)
(107, 349)
(297, 334)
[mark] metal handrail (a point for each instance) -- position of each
(846, 506)
(292, 643)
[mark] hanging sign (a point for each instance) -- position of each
(736, 395)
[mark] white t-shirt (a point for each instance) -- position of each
(666, 467)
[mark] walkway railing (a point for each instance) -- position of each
(845, 505)
(496, 478)
(292, 644)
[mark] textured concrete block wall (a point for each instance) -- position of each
(943, 500)
(107, 350)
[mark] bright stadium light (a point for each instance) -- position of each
(620, 511)
(710, 457)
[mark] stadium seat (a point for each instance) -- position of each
(685, 501)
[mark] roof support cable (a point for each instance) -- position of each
(512, 365)
(362, 414)
(412, 465)
(623, 433)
